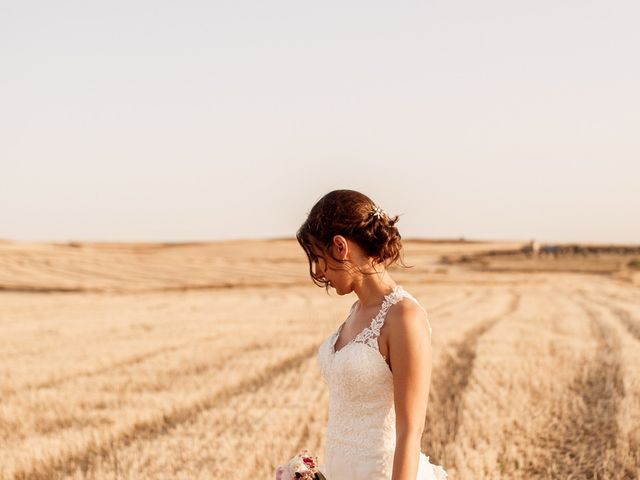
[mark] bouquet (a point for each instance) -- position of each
(303, 466)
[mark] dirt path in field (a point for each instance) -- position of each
(96, 450)
(448, 384)
(582, 443)
(135, 360)
(624, 315)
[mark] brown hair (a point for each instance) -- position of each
(351, 214)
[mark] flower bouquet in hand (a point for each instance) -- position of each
(303, 466)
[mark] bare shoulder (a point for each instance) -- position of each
(407, 337)
(406, 319)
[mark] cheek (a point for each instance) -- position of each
(320, 268)
(340, 276)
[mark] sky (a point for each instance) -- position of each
(187, 121)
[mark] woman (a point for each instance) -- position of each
(377, 364)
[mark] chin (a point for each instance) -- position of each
(338, 291)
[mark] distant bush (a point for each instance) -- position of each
(635, 263)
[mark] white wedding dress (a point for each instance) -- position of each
(360, 436)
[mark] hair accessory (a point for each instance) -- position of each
(378, 212)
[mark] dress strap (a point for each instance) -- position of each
(395, 297)
(370, 334)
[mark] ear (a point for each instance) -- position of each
(341, 244)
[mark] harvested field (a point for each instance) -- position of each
(197, 361)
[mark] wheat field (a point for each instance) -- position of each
(198, 361)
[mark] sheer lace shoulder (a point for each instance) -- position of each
(370, 334)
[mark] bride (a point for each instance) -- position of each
(377, 363)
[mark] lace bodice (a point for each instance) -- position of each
(369, 336)
(360, 436)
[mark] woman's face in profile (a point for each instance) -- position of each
(332, 271)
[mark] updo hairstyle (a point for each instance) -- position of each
(353, 215)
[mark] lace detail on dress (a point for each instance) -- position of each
(370, 334)
(360, 435)
(376, 324)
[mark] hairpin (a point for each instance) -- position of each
(378, 212)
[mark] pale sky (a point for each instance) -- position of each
(177, 121)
